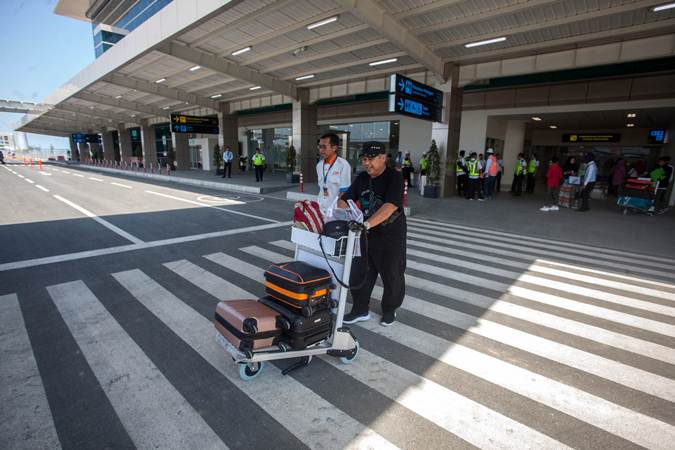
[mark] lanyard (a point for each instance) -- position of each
(325, 174)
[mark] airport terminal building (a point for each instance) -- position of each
(536, 76)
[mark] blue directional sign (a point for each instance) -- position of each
(181, 123)
(657, 136)
(81, 138)
(415, 99)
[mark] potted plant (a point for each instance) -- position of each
(291, 156)
(431, 189)
(217, 159)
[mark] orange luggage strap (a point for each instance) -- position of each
(295, 295)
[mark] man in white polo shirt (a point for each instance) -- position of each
(334, 173)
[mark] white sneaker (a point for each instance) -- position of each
(554, 208)
(544, 208)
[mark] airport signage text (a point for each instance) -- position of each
(82, 138)
(181, 123)
(605, 137)
(414, 99)
(657, 136)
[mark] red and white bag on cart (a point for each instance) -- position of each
(307, 216)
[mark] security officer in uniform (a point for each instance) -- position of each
(258, 161)
(460, 172)
(379, 191)
(521, 167)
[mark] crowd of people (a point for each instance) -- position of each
(479, 176)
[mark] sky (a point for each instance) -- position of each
(39, 51)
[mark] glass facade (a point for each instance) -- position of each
(273, 142)
(357, 133)
(163, 143)
(134, 17)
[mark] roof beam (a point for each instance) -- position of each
(236, 71)
(361, 62)
(75, 117)
(551, 23)
(372, 14)
(394, 69)
(159, 89)
(47, 131)
(426, 8)
(122, 104)
(637, 31)
(80, 122)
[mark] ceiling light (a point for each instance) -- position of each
(630, 125)
(384, 61)
(553, 127)
(322, 23)
(537, 119)
(217, 96)
(304, 77)
(299, 50)
(133, 115)
(240, 51)
(161, 80)
(166, 107)
(119, 96)
(254, 88)
(631, 115)
(192, 69)
(663, 7)
(489, 41)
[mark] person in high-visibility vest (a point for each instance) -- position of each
(490, 172)
(518, 174)
(460, 173)
(532, 168)
(407, 169)
(258, 162)
(473, 172)
(424, 165)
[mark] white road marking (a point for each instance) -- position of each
(20, 176)
(42, 188)
(25, 418)
(214, 285)
(103, 222)
(95, 179)
(65, 171)
(121, 185)
(133, 247)
(78, 175)
(152, 411)
(314, 427)
(211, 206)
(47, 174)
(29, 180)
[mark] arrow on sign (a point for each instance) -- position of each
(401, 103)
(401, 85)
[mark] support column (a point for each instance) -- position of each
(305, 134)
(84, 151)
(228, 129)
(181, 148)
(108, 147)
(149, 144)
(446, 133)
(74, 151)
(514, 143)
(125, 142)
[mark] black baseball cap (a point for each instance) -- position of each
(371, 149)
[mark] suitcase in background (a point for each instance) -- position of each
(299, 331)
(247, 324)
(299, 286)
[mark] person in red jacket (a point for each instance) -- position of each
(554, 177)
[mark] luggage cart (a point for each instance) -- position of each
(641, 196)
(341, 342)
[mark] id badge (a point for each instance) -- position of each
(325, 191)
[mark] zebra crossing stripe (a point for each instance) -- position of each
(588, 250)
(524, 251)
(153, 413)
(545, 283)
(271, 391)
(631, 425)
(214, 285)
(537, 267)
(425, 398)
(631, 377)
(25, 418)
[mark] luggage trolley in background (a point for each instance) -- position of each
(341, 342)
(640, 195)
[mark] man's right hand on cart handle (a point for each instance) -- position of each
(382, 214)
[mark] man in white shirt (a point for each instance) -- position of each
(590, 177)
(334, 173)
(228, 156)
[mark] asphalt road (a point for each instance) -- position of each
(108, 286)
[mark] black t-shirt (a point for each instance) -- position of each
(387, 188)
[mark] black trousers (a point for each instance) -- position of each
(585, 195)
(258, 173)
(462, 186)
(517, 185)
(474, 188)
(227, 169)
(390, 265)
(498, 182)
(530, 183)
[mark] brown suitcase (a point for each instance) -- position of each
(247, 324)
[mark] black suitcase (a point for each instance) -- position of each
(298, 331)
(299, 286)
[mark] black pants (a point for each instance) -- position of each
(407, 176)
(585, 194)
(474, 188)
(258, 173)
(498, 183)
(462, 186)
(517, 185)
(390, 265)
(227, 169)
(530, 183)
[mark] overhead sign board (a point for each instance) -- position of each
(657, 136)
(415, 99)
(181, 123)
(82, 138)
(582, 137)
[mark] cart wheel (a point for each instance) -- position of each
(248, 372)
(352, 357)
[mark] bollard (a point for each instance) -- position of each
(302, 184)
(405, 193)
(31, 163)
(152, 168)
(40, 163)
(24, 162)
